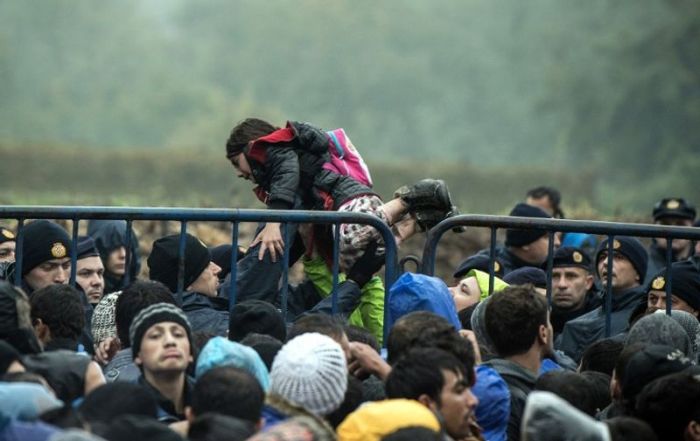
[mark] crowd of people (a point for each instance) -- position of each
(169, 357)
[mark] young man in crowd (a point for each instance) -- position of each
(135, 297)
(89, 271)
(517, 321)
(442, 383)
(111, 242)
(205, 310)
(161, 344)
(629, 266)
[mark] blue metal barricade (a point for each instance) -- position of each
(551, 226)
(185, 215)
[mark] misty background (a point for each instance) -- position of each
(131, 102)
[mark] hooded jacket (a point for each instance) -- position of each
(108, 236)
(418, 292)
(549, 418)
(590, 327)
(289, 163)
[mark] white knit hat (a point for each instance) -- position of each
(310, 370)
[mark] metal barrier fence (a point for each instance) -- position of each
(185, 215)
(552, 226)
(290, 217)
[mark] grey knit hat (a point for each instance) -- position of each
(310, 371)
(151, 315)
(103, 323)
(659, 329)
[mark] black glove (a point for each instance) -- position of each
(368, 264)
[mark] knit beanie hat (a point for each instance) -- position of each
(691, 326)
(659, 329)
(650, 363)
(256, 316)
(520, 238)
(221, 352)
(310, 371)
(527, 274)
(163, 260)
(6, 235)
(87, 247)
(103, 321)
(43, 240)
(571, 256)
(685, 282)
(375, 420)
(151, 315)
(266, 346)
(629, 247)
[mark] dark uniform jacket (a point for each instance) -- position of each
(657, 261)
(590, 327)
(559, 317)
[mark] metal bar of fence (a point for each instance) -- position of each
(285, 265)
(336, 269)
(550, 264)
(19, 252)
(74, 252)
(233, 275)
(608, 281)
(181, 262)
(184, 215)
(669, 255)
(128, 257)
(492, 260)
(562, 225)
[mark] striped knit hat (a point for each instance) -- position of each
(151, 315)
(310, 371)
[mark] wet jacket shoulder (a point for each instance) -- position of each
(205, 314)
(63, 370)
(122, 368)
(520, 383)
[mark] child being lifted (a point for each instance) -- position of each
(287, 165)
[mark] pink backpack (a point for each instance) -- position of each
(345, 159)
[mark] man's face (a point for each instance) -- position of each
(678, 244)
(90, 276)
(569, 286)
(457, 404)
(116, 261)
(537, 250)
(657, 300)
(208, 281)
(624, 275)
(240, 163)
(165, 348)
(545, 203)
(466, 293)
(7, 251)
(51, 272)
